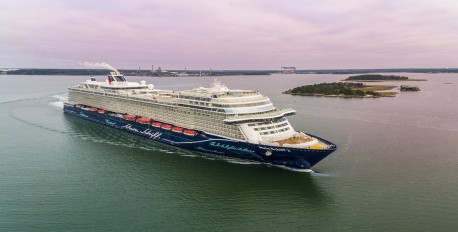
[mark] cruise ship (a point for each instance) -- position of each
(241, 124)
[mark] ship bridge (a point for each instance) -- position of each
(268, 116)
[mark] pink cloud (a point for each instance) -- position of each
(230, 34)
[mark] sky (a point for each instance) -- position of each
(229, 34)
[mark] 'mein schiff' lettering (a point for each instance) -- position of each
(146, 132)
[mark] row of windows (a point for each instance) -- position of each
(263, 128)
(242, 105)
(270, 127)
(252, 110)
(274, 131)
(89, 86)
(195, 98)
(267, 122)
(281, 125)
(284, 129)
(203, 120)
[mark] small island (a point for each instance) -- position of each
(342, 89)
(379, 77)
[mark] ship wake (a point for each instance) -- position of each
(59, 100)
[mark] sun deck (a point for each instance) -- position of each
(294, 140)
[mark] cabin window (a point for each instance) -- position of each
(119, 79)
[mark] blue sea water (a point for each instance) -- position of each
(395, 169)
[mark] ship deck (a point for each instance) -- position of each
(294, 140)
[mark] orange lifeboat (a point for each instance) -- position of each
(156, 124)
(177, 129)
(189, 132)
(92, 109)
(143, 120)
(78, 105)
(166, 126)
(129, 117)
(101, 111)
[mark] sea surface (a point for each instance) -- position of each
(396, 168)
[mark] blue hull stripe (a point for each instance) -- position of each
(290, 157)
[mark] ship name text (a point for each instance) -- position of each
(146, 132)
(274, 149)
(230, 147)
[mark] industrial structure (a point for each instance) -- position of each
(288, 70)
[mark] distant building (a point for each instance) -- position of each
(6, 70)
(288, 70)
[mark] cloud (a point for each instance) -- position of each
(230, 34)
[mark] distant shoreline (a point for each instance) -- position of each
(156, 73)
(384, 80)
(379, 78)
(130, 72)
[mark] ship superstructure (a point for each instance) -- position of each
(239, 116)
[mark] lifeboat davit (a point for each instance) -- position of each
(166, 126)
(189, 132)
(156, 124)
(143, 120)
(101, 111)
(177, 129)
(129, 117)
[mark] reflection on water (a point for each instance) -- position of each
(217, 189)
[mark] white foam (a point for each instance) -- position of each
(318, 173)
(242, 162)
(58, 104)
(294, 169)
(61, 98)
